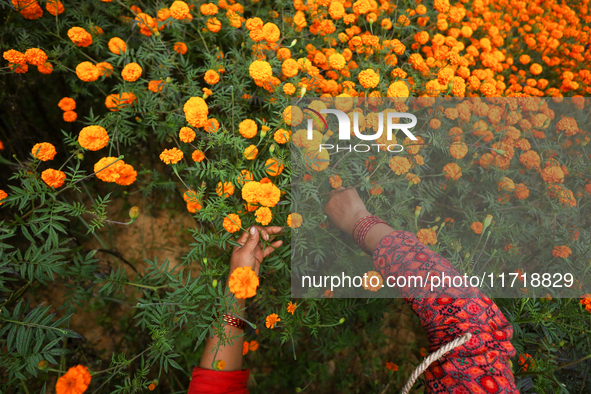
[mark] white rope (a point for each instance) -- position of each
(459, 341)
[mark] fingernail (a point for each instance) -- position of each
(266, 236)
(253, 230)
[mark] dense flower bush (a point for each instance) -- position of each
(108, 100)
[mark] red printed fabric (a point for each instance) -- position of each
(207, 381)
(482, 364)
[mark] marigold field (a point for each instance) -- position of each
(138, 140)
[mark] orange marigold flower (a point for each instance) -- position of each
(179, 10)
(107, 169)
(391, 366)
(561, 251)
(371, 284)
(35, 56)
(208, 9)
(245, 348)
(248, 128)
(80, 37)
(211, 125)
(180, 48)
(193, 204)
(186, 134)
(553, 174)
(530, 159)
(196, 111)
(220, 365)
(506, 184)
(244, 177)
(400, 165)
(151, 387)
(271, 320)
(452, 171)
(232, 223)
(127, 174)
(213, 25)
(526, 361)
(281, 136)
(87, 72)
(171, 156)
(198, 156)
(75, 381)
(458, 150)
(427, 236)
(116, 101)
(53, 178)
(254, 345)
(156, 86)
(273, 167)
(568, 126)
(54, 7)
(44, 151)
(243, 282)
(117, 46)
(15, 57)
(291, 307)
(369, 79)
(251, 152)
(211, 77)
(263, 215)
(93, 138)
(225, 190)
(105, 68)
(477, 227)
(521, 191)
(46, 68)
(260, 70)
(335, 181)
(294, 220)
(131, 72)
(398, 89)
(535, 69)
(3, 195)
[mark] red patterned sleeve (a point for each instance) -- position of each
(482, 364)
(207, 381)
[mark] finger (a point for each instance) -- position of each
(253, 239)
(274, 230)
(271, 249)
(263, 232)
(243, 238)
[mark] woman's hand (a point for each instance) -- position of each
(345, 208)
(251, 254)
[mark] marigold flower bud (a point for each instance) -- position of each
(80, 156)
(134, 212)
(293, 43)
(214, 283)
(487, 221)
(272, 148)
(43, 364)
(467, 255)
(205, 260)
(418, 211)
(342, 320)
(437, 219)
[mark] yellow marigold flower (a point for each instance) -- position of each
(427, 236)
(458, 150)
(196, 111)
(281, 136)
(400, 165)
(561, 251)
(211, 77)
(477, 227)
(271, 320)
(260, 70)
(225, 190)
(271, 32)
(337, 61)
(44, 151)
(3, 195)
(289, 89)
(75, 381)
(398, 89)
(251, 152)
(414, 178)
(273, 167)
(369, 79)
(186, 134)
(93, 138)
(263, 215)
(35, 56)
(248, 128)
(293, 116)
(452, 171)
(553, 174)
(156, 86)
(53, 178)
(87, 72)
(198, 156)
(54, 7)
(232, 223)
(131, 72)
(80, 37)
(335, 181)
(373, 285)
(180, 48)
(294, 220)
(291, 307)
(290, 68)
(243, 282)
(179, 10)
(171, 156)
(117, 46)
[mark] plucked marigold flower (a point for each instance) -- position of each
(3, 195)
(117, 46)
(179, 10)
(248, 128)
(131, 72)
(211, 77)
(93, 138)
(186, 134)
(477, 227)
(232, 223)
(75, 381)
(243, 282)
(180, 48)
(35, 57)
(156, 86)
(225, 189)
(561, 251)
(427, 236)
(198, 156)
(53, 178)
(87, 72)
(263, 215)
(281, 136)
(107, 169)
(171, 156)
(369, 79)
(552, 174)
(80, 37)
(251, 152)
(291, 307)
(54, 7)
(294, 220)
(196, 111)
(260, 70)
(271, 320)
(452, 171)
(273, 167)
(400, 165)
(44, 151)
(335, 181)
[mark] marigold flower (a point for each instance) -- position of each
(530, 159)
(263, 215)
(213, 25)
(186, 134)
(35, 56)
(294, 220)
(93, 138)
(561, 251)
(115, 101)
(75, 381)
(127, 174)
(80, 37)
(552, 174)
(225, 190)
(400, 165)
(427, 236)
(105, 68)
(3, 195)
(535, 69)
(281, 136)
(107, 169)
(152, 387)
(44, 151)
(131, 72)
(458, 150)
(117, 46)
(171, 156)
(372, 285)
(30, 9)
(220, 365)
(337, 61)
(180, 48)
(211, 77)
(196, 111)
(452, 171)
(15, 57)
(398, 89)
(271, 320)
(156, 86)
(477, 227)
(245, 348)
(87, 72)
(506, 184)
(526, 361)
(254, 345)
(179, 10)
(319, 160)
(369, 79)
(335, 181)
(260, 70)
(521, 191)
(232, 223)
(291, 307)
(243, 282)
(391, 366)
(273, 167)
(251, 152)
(54, 7)
(53, 178)
(248, 128)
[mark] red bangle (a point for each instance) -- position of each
(361, 229)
